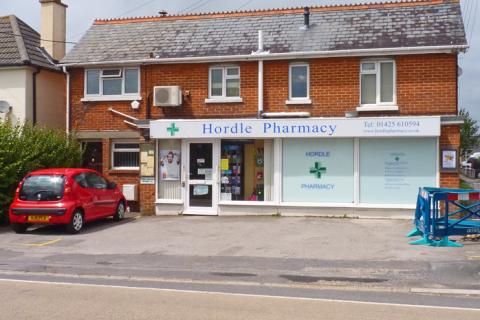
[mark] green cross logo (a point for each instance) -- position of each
(172, 129)
(317, 170)
(397, 158)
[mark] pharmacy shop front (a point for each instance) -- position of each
(293, 166)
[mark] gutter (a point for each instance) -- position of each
(34, 95)
(282, 56)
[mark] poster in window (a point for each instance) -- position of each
(169, 164)
(449, 159)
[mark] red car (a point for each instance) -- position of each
(65, 196)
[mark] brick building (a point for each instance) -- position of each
(324, 109)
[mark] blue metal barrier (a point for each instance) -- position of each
(440, 213)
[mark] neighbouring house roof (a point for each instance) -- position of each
(403, 24)
(20, 45)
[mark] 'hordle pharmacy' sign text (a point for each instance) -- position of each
(296, 128)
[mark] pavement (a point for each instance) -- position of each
(279, 256)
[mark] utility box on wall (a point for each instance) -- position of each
(130, 192)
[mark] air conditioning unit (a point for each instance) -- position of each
(167, 96)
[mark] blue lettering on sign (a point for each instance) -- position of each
(273, 127)
(318, 154)
(317, 186)
(239, 128)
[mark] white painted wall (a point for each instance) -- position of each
(15, 88)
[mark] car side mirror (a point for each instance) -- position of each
(112, 185)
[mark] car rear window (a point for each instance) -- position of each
(42, 188)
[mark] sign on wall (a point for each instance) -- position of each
(147, 160)
(318, 170)
(305, 127)
(392, 170)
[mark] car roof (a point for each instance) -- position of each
(61, 171)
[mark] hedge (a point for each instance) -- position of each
(26, 148)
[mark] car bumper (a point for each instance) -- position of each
(40, 215)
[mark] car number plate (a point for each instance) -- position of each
(38, 218)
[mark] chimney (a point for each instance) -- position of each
(306, 18)
(53, 27)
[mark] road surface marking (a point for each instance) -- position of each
(42, 244)
(446, 291)
(238, 294)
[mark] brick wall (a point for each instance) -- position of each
(426, 84)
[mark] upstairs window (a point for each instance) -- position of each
(299, 81)
(377, 80)
(112, 82)
(224, 82)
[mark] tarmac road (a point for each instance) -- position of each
(339, 259)
(33, 300)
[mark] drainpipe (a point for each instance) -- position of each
(67, 126)
(260, 88)
(34, 96)
(260, 74)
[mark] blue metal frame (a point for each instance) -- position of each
(435, 228)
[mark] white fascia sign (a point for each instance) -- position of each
(296, 128)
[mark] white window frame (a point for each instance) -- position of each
(121, 75)
(223, 98)
(298, 100)
(378, 106)
(113, 150)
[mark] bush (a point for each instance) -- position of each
(26, 148)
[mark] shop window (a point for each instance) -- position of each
(377, 82)
(125, 155)
(112, 82)
(318, 170)
(246, 168)
(224, 82)
(299, 78)
(169, 169)
(392, 170)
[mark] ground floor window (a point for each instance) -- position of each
(246, 168)
(125, 155)
(318, 170)
(169, 169)
(392, 170)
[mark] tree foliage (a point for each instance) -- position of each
(26, 148)
(469, 138)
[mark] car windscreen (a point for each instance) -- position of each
(42, 188)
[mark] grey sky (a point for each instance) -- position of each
(81, 14)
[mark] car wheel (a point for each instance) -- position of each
(19, 227)
(76, 222)
(120, 213)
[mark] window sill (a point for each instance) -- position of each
(111, 98)
(299, 101)
(377, 108)
(124, 171)
(168, 201)
(224, 100)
